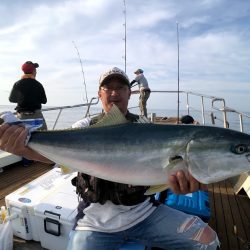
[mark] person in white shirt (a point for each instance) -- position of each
(143, 89)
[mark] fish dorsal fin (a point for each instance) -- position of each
(113, 117)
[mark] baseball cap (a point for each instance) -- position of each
(140, 71)
(114, 73)
(28, 67)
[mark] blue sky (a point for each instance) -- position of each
(213, 34)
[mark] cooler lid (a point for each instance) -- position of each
(36, 190)
(59, 206)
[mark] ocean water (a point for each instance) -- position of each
(71, 115)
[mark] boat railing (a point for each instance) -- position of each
(213, 110)
(226, 110)
(210, 106)
(93, 101)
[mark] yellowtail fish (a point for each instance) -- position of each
(145, 154)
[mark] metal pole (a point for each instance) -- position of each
(125, 37)
(241, 123)
(202, 110)
(178, 94)
(187, 103)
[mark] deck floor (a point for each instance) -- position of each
(13, 177)
(230, 216)
(230, 213)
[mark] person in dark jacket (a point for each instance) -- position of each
(29, 94)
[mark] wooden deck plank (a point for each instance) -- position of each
(244, 207)
(241, 221)
(230, 217)
(229, 211)
(212, 221)
(220, 225)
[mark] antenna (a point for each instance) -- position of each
(125, 36)
(82, 71)
(178, 81)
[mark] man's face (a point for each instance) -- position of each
(114, 92)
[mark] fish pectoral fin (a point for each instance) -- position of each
(65, 170)
(113, 117)
(175, 163)
(156, 189)
(175, 159)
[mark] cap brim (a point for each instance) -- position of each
(124, 80)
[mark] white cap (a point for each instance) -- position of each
(114, 72)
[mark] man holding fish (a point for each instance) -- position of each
(113, 212)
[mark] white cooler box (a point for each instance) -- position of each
(55, 217)
(22, 202)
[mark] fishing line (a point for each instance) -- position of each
(86, 94)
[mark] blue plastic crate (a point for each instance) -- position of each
(196, 203)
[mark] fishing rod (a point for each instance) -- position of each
(178, 78)
(86, 94)
(125, 36)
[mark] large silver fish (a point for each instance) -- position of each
(144, 154)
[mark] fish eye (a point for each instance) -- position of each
(239, 149)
